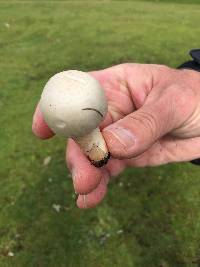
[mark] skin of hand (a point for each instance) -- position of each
(153, 118)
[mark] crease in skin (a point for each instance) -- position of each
(190, 127)
(114, 113)
(125, 105)
(107, 121)
(139, 95)
(76, 179)
(154, 77)
(125, 88)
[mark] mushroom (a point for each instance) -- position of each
(73, 105)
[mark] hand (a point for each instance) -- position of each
(153, 118)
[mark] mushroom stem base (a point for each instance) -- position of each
(94, 147)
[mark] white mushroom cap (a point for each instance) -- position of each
(73, 103)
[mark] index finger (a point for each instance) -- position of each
(39, 126)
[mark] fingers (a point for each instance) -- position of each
(96, 196)
(135, 133)
(39, 126)
(127, 87)
(86, 177)
(92, 199)
(90, 182)
(113, 82)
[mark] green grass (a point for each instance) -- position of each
(151, 216)
(175, 1)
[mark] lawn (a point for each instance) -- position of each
(151, 216)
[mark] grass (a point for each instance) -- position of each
(175, 1)
(151, 216)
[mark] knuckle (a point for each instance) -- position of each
(161, 68)
(147, 121)
(182, 99)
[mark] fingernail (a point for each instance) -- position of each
(84, 201)
(125, 137)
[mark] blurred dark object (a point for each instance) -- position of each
(194, 65)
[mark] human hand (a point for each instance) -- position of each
(153, 118)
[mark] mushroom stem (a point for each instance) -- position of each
(94, 147)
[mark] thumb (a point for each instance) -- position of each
(135, 133)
